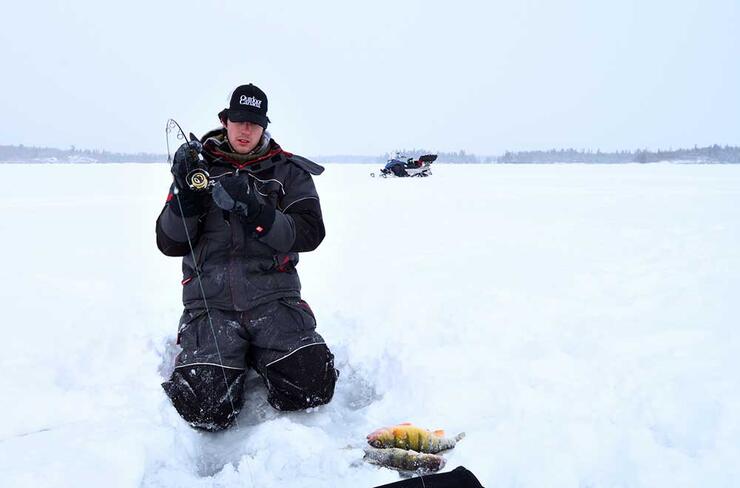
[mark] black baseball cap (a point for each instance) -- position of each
(248, 104)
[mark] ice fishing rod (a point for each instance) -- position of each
(197, 179)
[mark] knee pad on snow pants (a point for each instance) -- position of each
(208, 397)
(301, 379)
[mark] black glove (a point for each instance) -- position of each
(185, 160)
(187, 203)
(236, 194)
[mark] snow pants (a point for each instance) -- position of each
(277, 339)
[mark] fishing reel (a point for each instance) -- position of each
(197, 178)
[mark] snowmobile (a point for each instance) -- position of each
(397, 167)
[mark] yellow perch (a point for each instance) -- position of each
(408, 436)
(404, 460)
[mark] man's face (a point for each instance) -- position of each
(243, 136)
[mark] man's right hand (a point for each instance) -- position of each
(188, 202)
(185, 160)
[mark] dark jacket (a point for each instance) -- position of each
(238, 269)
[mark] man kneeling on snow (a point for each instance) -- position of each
(240, 244)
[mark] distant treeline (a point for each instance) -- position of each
(32, 154)
(709, 154)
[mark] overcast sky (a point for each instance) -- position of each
(347, 77)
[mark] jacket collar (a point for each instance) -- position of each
(217, 147)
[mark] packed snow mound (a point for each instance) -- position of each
(577, 322)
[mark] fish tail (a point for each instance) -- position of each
(439, 444)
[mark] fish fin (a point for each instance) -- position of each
(459, 436)
(405, 423)
(439, 433)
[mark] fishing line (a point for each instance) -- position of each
(171, 124)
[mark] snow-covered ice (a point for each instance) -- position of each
(578, 322)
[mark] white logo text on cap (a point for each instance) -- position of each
(251, 101)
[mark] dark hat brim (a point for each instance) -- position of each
(247, 116)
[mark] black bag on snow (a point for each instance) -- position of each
(457, 478)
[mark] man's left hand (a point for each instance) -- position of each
(236, 194)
